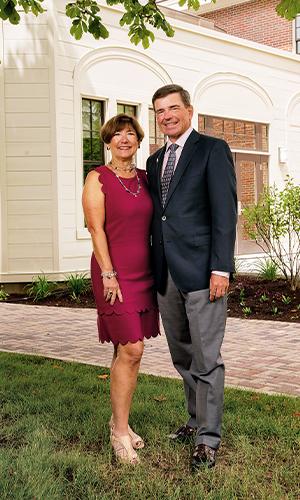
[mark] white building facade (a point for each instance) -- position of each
(55, 92)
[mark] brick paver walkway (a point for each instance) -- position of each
(260, 355)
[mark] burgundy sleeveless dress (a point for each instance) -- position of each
(127, 228)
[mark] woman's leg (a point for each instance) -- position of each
(123, 382)
(114, 357)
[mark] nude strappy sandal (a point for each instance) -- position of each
(136, 440)
(123, 449)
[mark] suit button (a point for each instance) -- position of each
(164, 218)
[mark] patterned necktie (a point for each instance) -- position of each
(168, 173)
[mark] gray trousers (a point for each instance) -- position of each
(194, 329)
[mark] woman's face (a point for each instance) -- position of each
(124, 144)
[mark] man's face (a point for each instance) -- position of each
(173, 117)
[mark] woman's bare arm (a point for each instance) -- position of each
(93, 202)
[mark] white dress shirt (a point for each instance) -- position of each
(180, 143)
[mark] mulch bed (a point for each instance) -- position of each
(249, 297)
(270, 300)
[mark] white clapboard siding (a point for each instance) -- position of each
(69, 221)
(68, 49)
(66, 107)
(65, 77)
(29, 207)
(28, 149)
(19, 120)
(72, 251)
(68, 193)
(29, 249)
(29, 193)
(69, 207)
(24, 105)
(29, 190)
(66, 149)
(66, 92)
(19, 47)
(33, 75)
(81, 264)
(67, 165)
(69, 235)
(29, 235)
(67, 179)
(37, 163)
(27, 134)
(29, 178)
(32, 19)
(66, 120)
(32, 265)
(62, 19)
(29, 221)
(66, 134)
(27, 90)
(25, 61)
(25, 32)
(67, 63)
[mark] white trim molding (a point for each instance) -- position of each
(234, 79)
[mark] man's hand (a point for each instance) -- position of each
(218, 286)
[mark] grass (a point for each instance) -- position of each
(54, 439)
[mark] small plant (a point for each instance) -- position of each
(242, 297)
(247, 311)
(40, 288)
(77, 284)
(274, 223)
(3, 294)
(298, 307)
(263, 298)
(274, 310)
(286, 299)
(267, 269)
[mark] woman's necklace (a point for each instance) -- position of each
(122, 183)
(130, 168)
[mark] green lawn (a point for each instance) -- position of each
(54, 439)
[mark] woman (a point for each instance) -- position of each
(118, 212)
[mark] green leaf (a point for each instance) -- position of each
(14, 18)
(288, 9)
(77, 31)
(72, 11)
(145, 42)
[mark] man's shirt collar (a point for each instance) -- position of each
(181, 140)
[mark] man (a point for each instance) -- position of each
(193, 187)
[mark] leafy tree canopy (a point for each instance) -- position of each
(139, 16)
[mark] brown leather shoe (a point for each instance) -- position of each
(183, 434)
(203, 456)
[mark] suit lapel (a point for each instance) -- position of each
(184, 160)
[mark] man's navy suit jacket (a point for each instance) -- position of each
(195, 232)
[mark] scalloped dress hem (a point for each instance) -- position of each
(127, 327)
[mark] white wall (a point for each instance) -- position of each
(28, 167)
(47, 73)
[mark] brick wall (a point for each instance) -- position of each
(256, 21)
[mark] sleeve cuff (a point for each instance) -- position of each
(221, 273)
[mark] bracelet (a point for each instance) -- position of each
(108, 274)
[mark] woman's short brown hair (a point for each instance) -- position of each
(117, 123)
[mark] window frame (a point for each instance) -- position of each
(91, 162)
(259, 148)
